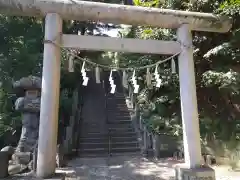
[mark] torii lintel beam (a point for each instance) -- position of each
(117, 14)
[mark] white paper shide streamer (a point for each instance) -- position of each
(125, 76)
(84, 75)
(173, 66)
(111, 81)
(71, 64)
(148, 77)
(134, 82)
(125, 80)
(157, 77)
(97, 74)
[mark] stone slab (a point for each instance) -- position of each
(56, 177)
(202, 173)
(30, 176)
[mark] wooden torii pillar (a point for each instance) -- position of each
(57, 10)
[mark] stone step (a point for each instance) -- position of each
(118, 114)
(122, 121)
(124, 139)
(119, 103)
(91, 155)
(112, 134)
(120, 130)
(110, 126)
(128, 138)
(106, 151)
(94, 140)
(90, 124)
(119, 119)
(124, 150)
(119, 95)
(96, 151)
(110, 144)
(131, 154)
(100, 129)
(127, 144)
(116, 98)
(116, 101)
(116, 104)
(92, 130)
(115, 109)
(116, 125)
(122, 134)
(93, 135)
(91, 145)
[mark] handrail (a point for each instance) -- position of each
(106, 113)
(79, 117)
(71, 136)
(142, 128)
(77, 110)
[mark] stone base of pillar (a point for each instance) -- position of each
(57, 176)
(148, 153)
(202, 173)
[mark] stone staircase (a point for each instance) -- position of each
(106, 127)
(93, 140)
(122, 135)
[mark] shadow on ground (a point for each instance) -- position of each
(124, 168)
(119, 168)
(31, 176)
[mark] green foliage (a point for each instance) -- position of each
(230, 7)
(21, 55)
(217, 62)
(21, 47)
(217, 74)
(152, 3)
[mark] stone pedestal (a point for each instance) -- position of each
(201, 173)
(22, 157)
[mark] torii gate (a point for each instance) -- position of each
(56, 11)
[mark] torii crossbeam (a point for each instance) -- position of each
(118, 14)
(57, 10)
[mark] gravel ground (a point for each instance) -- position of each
(131, 168)
(125, 168)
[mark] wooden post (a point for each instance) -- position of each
(47, 143)
(190, 122)
(145, 145)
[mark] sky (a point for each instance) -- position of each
(112, 32)
(109, 32)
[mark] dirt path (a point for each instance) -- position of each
(126, 168)
(131, 168)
